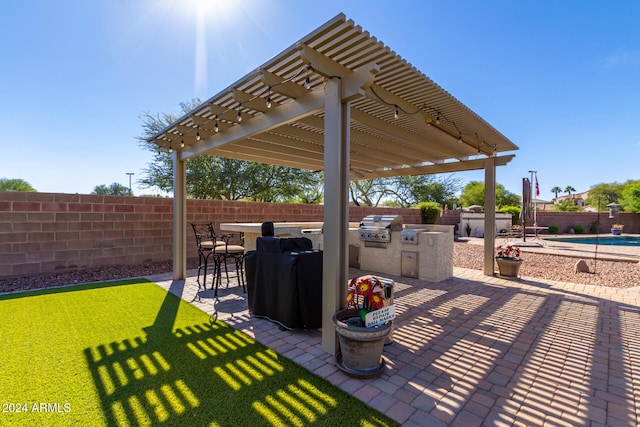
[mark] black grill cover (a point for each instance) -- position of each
(284, 281)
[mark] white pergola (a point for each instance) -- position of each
(341, 101)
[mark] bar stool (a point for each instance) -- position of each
(207, 248)
(223, 251)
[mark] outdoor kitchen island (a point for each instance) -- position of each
(423, 251)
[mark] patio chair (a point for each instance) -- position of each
(516, 231)
(207, 248)
(223, 251)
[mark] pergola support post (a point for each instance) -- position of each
(489, 214)
(179, 217)
(335, 267)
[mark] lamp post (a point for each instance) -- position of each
(130, 173)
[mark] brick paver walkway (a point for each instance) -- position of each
(475, 350)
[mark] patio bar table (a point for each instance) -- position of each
(253, 230)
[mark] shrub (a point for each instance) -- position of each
(554, 229)
(514, 211)
(579, 229)
(430, 212)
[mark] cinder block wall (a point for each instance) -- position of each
(49, 232)
(567, 220)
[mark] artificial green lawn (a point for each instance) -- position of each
(130, 353)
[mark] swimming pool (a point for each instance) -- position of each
(604, 240)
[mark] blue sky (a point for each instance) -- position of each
(560, 79)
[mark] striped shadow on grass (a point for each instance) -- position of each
(131, 353)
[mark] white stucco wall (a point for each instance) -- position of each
(476, 223)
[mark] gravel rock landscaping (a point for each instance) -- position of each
(615, 274)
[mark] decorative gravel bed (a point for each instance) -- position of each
(544, 266)
(615, 274)
(87, 275)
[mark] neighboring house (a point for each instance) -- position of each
(578, 198)
(542, 205)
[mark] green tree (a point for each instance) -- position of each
(210, 177)
(603, 194)
(404, 191)
(567, 205)
(369, 192)
(114, 189)
(555, 190)
(514, 211)
(426, 188)
(568, 189)
(473, 194)
(630, 200)
(7, 184)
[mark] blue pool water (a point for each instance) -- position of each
(605, 240)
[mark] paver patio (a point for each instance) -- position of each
(476, 350)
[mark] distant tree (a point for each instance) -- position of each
(506, 198)
(404, 191)
(567, 205)
(369, 192)
(429, 188)
(514, 211)
(473, 194)
(556, 190)
(114, 189)
(568, 189)
(7, 184)
(630, 200)
(602, 194)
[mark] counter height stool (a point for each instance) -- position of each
(208, 246)
(224, 252)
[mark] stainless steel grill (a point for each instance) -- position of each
(375, 230)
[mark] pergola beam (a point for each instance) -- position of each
(286, 113)
(395, 132)
(386, 148)
(467, 165)
(378, 93)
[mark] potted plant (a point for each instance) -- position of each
(361, 336)
(616, 229)
(508, 260)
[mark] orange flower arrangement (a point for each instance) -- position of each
(365, 295)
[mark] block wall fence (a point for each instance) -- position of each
(566, 220)
(51, 232)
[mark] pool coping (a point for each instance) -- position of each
(573, 250)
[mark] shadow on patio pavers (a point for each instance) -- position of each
(482, 350)
(514, 352)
